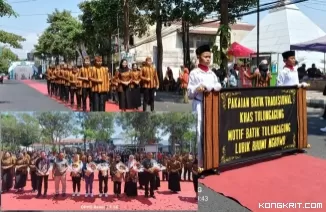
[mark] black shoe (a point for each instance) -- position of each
(56, 195)
(146, 195)
(44, 195)
(38, 195)
(64, 195)
(153, 196)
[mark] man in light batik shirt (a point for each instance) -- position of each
(201, 79)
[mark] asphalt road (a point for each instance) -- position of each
(219, 203)
(17, 96)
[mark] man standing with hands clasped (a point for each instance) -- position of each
(201, 79)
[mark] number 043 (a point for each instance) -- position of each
(202, 198)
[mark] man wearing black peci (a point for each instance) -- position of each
(149, 175)
(42, 165)
(103, 175)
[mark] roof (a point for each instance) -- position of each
(280, 28)
(208, 28)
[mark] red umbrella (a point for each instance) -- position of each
(238, 50)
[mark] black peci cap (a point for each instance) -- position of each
(288, 54)
(202, 49)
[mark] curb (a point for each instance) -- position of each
(316, 103)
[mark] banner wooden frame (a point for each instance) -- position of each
(211, 125)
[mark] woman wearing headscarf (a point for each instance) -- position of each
(124, 79)
(261, 76)
(76, 175)
(131, 178)
(135, 96)
(7, 164)
(21, 166)
(174, 168)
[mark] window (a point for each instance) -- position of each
(202, 40)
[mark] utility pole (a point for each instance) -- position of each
(224, 34)
(258, 31)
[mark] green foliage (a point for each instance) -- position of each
(6, 55)
(62, 36)
(5, 37)
(6, 9)
(19, 130)
(142, 127)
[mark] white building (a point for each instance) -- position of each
(172, 42)
(281, 28)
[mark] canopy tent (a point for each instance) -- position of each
(316, 45)
(238, 50)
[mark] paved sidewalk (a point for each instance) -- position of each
(316, 99)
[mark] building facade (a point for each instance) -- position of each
(172, 42)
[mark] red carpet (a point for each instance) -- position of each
(165, 200)
(42, 88)
(292, 179)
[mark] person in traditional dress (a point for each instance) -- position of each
(103, 175)
(195, 175)
(100, 85)
(21, 172)
(118, 176)
(262, 76)
(288, 76)
(42, 165)
(131, 178)
(187, 163)
(76, 175)
(141, 178)
(184, 79)
(135, 87)
(88, 176)
(150, 83)
(149, 176)
(7, 164)
(73, 80)
(32, 171)
(174, 167)
(165, 172)
(48, 75)
(85, 74)
(201, 79)
(124, 82)
(59, 172)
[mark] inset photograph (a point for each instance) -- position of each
(96, 160)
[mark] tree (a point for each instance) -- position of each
(228, 12)
(95, 126)
(6, 56)
(181, 127)
(5, 37)
(56, 125)
(61, 38)
(140, 127)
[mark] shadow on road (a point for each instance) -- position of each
(5, 102)
(314, 125)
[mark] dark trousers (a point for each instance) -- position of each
(195, 182)
(185, 172)
(40, 180)
(149, 181)
(324, 115)
(180, 173)
(99, 100)
(148, 98)
(78, 98)
(52, 89)
(86, 93)
(76, 183)
(67, 88)
(165, 175)
(117, 187)
(103, 180)
(57, 90)
(62, 92)
(34, 180)
(72, 96)
(48, 83)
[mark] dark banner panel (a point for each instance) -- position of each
(255, 122)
